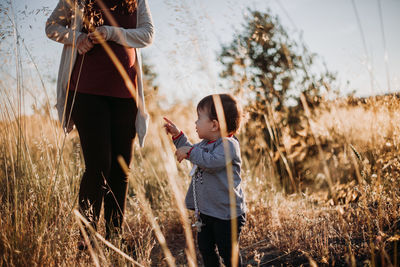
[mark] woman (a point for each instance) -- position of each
(107, 109)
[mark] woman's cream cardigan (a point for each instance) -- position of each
(65, 27)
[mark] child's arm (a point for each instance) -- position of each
(178, 136)
(215, 160)
(182, 152)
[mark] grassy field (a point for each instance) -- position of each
(346, 210)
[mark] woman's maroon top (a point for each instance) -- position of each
(99, 75)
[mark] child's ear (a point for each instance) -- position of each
(215, 126)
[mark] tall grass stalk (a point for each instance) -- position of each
(320, 151)
(229, 171)
(177, 195)
(87, 240)
(285, 162)
(145, 206)
(171, 171)
(80, 219)
(356, 161)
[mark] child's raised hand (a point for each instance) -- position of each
(171, 128)
(182, 153)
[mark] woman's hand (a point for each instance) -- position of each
(182, 153)
(83, 44)
(99, 35)
(171, 128)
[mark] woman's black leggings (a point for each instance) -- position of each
(106, 127)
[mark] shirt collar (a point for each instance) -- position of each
(213, 141)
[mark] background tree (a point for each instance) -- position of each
(270, 70)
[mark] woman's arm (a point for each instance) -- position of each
(140, 37)
(58, 25)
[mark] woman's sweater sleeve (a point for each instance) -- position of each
(139, 37)
(58, 25)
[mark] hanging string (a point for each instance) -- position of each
(364, 44)
(386, 56)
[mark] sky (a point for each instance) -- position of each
(190, 34)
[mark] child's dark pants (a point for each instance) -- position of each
(217, 233)
(106, 127)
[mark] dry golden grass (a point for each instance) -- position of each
(38, 191)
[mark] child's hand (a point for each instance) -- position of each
(171, 128)
(182, 153)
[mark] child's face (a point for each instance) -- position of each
(204, 126)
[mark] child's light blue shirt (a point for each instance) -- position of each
(212, 189)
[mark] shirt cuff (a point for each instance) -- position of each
(188, 154)
(176, 137)
(107, 30)
(76, 38)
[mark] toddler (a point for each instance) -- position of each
(208, 193)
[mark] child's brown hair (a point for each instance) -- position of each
(232, 111)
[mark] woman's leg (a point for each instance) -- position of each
(223, 237)
(123, 117)
(91, 116)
